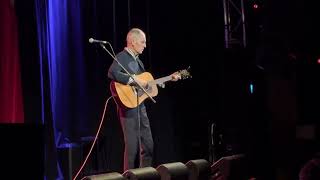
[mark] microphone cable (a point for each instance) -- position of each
(95, 139)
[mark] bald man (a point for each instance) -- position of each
(135, 146)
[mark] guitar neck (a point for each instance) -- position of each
(161, 80)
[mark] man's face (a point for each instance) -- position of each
(139, 43)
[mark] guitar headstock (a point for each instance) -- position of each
(185, 73)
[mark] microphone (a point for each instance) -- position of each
(91, 40)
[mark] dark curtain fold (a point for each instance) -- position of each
(51, 162)
(64, 93)
(11, 104)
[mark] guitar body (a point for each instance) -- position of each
(127, 94)
(131, 96)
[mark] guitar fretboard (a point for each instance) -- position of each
(161, 80)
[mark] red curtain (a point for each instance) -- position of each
(11, 105)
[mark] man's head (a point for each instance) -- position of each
(136, 40)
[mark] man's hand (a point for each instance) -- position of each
(175, 76)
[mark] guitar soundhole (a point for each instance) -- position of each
(148, 89)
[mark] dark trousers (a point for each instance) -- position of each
(130, 126)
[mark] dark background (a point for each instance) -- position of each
(280, 61)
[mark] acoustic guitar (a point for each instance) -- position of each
(131, 96)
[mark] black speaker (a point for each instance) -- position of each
(199, 169)
(230, 168)
(174, 171)
(147, 173)
(22, 151)
(105, 176)
(69, 156)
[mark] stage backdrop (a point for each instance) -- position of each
(11, 104)
(74, 84)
